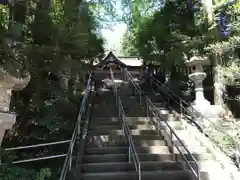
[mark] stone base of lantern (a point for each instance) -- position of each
(208, 113)
(201, 103)
(6, 122)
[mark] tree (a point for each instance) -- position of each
(57, 36)
(163, 37)
(177, 31)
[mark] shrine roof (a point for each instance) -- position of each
(122, 60)
(131, 61)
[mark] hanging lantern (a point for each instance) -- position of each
(196, 4)
(193, 5)
(224, 25)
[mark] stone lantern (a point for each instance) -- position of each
(7, 84)
(64, 73)
(200, 104)
(197, 76)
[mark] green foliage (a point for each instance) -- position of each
(63, 34)
(164, 36)
(14, 172)
(4, 13)
(231, 72)
(173, 33)
(127, 45)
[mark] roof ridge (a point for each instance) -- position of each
(128, 56)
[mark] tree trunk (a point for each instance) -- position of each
(219, 88)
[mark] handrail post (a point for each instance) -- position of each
(172, 146)
(119, 115)
(140, 95)
(198, 171)
(181, 108)
(123, 127)
(139, 172)
(129, 151)
(119, 110)
(158, 129)
(168, 101)
(135, 92)
(78, 130)
(237, 154)
(146, 108)
(70, 161)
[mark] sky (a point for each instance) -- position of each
(114, 36)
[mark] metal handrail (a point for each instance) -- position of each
(68, 160)
(129, 77)
(37, 145)
(39, 159)
(132, 153)
(155, 112)
(199, 115)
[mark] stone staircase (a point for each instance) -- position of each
(103, 153)
(106, 149)
(209, 167)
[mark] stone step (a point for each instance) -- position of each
(204, 167)
(142, 157)
(183, 136)
(105, 114)
(209, 164)
(100, 120)
(117, 127)
(131, 112)
(106, 138)
(195, 149)
(145, 175)
(104, 121)
(143, 118)
(120, 132)
(126, 166)
(118, 122)
(124, 150)
(123, 143)
(175, 125)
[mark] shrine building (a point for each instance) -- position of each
(117, 63)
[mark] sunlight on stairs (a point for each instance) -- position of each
(106, 152)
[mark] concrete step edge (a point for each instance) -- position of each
(121, 147)
(146, 154)
(119, 127)
(122, 163)
(170, 172)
